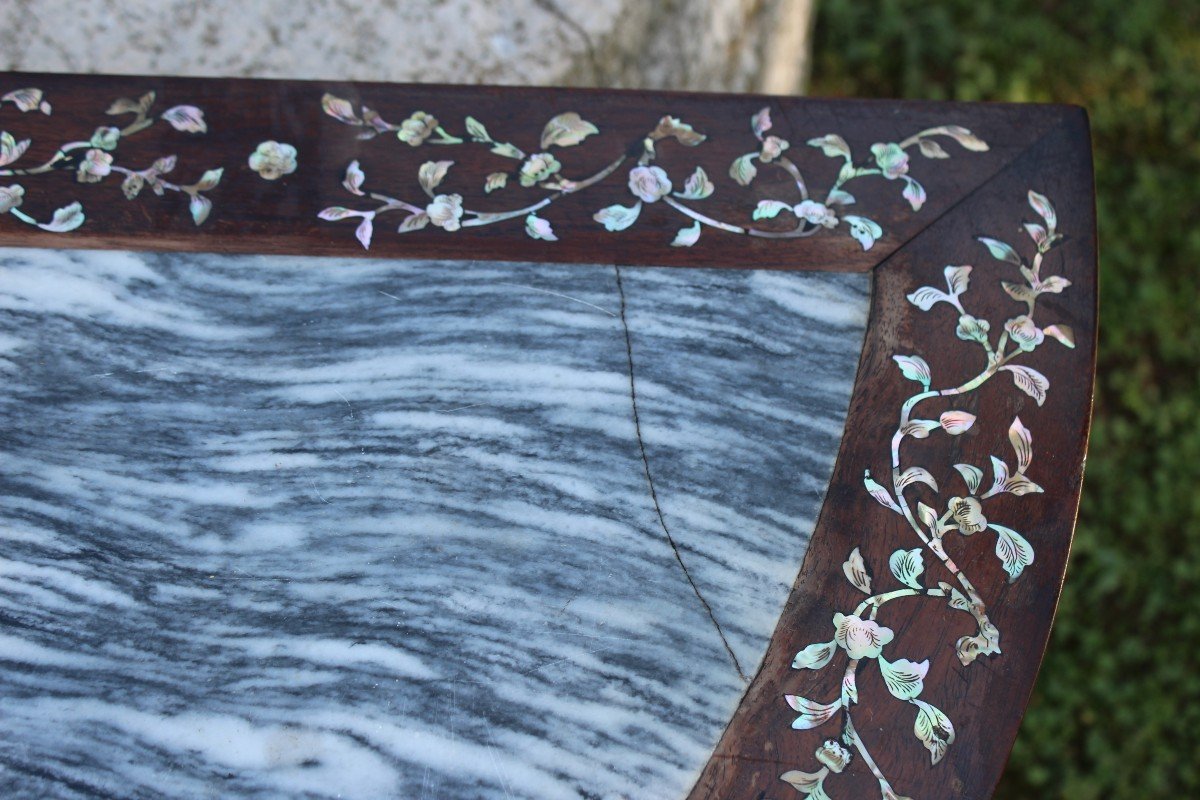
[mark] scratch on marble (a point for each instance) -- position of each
(556, 294)
(637, 425)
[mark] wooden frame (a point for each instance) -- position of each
(1036, 169)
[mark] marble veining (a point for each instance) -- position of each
(285, 527)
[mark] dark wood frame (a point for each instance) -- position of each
(1045, 148)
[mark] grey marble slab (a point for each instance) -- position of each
(284, 527)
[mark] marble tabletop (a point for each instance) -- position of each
(288, 527)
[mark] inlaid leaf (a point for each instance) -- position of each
(538, 228)
(999, 475)
(476, 130)
(686, 237)
(973, 476)
(1062, 333)
(24, 99)
(697, 186)
(856, 572)
(67, 218)
(769, 209)
(509, 151)
(958, 279)
(917, 475)
(760, 123)
(931, 149)
(567, 130)
(164, 165)
(850, 687)
(958, 601)
(336, 107)
(866, 231)
(334, 213)
(11, 149)
(618, 217)
(927, 297)
(1054, 284)
(188, 119)
(919, 428)
(1022, 443)
(957, 422)
(132, 186)
(432, 173)
(914, 193)
(354, 178)
(809, 783)
(1037, 233)
(209, 179)
(1014, 552)
(1043, 207)
(200, 207)
(879, 493)
(832, 145)
(815, 656)
(964, 137)
(840, 198)
(494, 181)
(812, 713)
(1019, 291)
(1019, 485)
(928, 517)
(364, 231)
(743, 170)
(1000, 251)
(914, 368)
(934, 730)
(414, 222)
(905, 679)
(1030, 381)
(907, 566)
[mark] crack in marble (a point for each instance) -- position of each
(654, 493)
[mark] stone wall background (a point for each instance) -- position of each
(704, 45)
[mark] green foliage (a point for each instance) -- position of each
(1117, 707)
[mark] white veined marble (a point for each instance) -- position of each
(285, 527)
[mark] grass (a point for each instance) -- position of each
(1119, 695)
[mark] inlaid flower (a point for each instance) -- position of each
(1024, 333)
(861, 638)
(833, 755)
(649, 183)
(95, 165)
(891, 159)
(537, 168)
(772, 149)
(272, 160)
(967, 513)
(417, 128)
(445, 211)
(816, 213)
(106, 138)
(972, 329)
(10, 197)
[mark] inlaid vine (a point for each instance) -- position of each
(648, 183)
(94, 159)
(856, 632)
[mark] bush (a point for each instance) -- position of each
(1118, 700)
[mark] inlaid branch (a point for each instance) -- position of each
(647, 182)
(858, 633)
(94, 159)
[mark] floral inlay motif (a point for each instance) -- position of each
(94, 160)
(272, 160)
(648, 183)
(857, 634)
